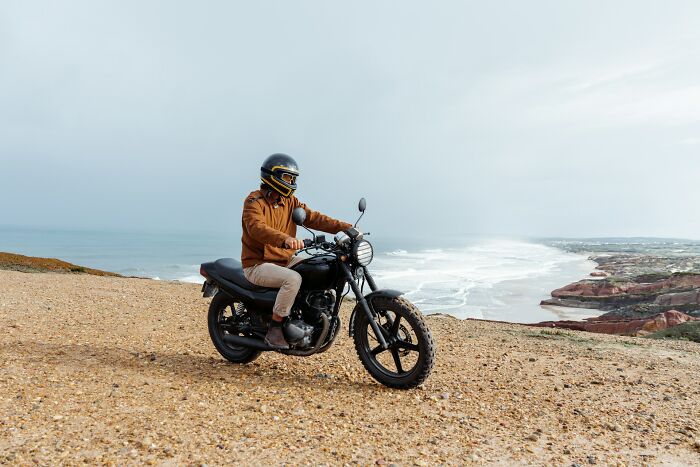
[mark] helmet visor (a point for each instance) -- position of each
(289, 178)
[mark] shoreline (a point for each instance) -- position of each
(564, 307)
(32, 264)
(579, 302)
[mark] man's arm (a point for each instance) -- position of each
(317, 221)
(254, 220)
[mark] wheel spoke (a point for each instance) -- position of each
(397, 360)
(378, 349)
(407, 345)
(395, 326)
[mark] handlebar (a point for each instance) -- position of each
(319, 244)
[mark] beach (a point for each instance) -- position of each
(121, 371)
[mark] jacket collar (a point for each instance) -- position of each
(282, 200)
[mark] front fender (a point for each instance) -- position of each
(387, 293)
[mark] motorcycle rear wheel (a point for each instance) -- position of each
(410, 357)
(220, 306)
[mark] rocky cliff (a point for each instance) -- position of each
(640, 289)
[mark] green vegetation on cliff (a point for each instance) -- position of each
(686, 331)
(14, 262)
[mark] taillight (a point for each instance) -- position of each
(202, 272)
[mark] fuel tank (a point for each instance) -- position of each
(318, 272)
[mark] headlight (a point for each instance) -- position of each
(363, 252)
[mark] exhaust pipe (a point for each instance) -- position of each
(246, 342)
(261, 345)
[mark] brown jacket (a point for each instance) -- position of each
(265, 228)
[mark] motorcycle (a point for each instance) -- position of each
(390, 335)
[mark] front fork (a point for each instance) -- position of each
(363, 302)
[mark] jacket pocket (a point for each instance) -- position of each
(273, 254)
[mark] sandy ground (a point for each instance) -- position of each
(121, 371)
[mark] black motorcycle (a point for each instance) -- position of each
(390, 335)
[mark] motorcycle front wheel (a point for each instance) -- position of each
(410, 357)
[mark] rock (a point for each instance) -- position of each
(586, 289)
(613, 427)
(635, 283)
(628, 327)
(678, 299)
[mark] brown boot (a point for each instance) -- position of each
(275, 338)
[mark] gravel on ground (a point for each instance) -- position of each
(105, 370)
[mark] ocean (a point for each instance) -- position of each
(465, 276)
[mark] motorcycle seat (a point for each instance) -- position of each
(232, 270)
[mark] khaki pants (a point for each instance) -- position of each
(273, 276)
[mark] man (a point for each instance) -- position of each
(269, 237)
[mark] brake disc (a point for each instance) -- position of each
(405, 336)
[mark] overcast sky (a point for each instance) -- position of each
(542, 118)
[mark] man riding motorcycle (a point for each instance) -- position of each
(269, 237)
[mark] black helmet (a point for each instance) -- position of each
(273, 172)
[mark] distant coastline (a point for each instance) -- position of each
(634, 277)
(641, 287)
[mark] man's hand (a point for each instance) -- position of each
(293, 243)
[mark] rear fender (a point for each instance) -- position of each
(384, 293)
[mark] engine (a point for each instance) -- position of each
(317, 303)
(299, 331)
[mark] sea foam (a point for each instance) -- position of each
(500, 280)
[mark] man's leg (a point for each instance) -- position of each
(288, 281)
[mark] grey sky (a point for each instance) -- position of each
(524, 118)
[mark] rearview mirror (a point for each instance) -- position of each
(299, 216)
(362, 205)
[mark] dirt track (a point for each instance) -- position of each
(110, 370)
